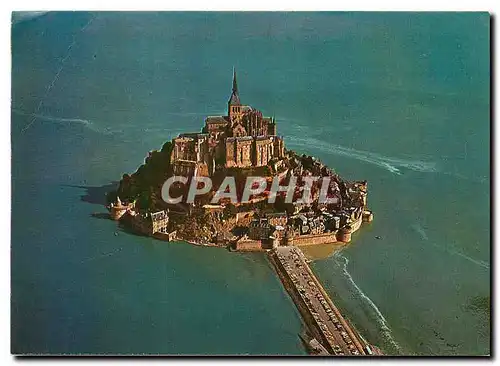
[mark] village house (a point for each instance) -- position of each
(259, 229)
(159, 222)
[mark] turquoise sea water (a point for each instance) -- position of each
(399, 99)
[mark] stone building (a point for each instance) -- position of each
(277, 236)
(239, 151)
(159, 222)
(243, 138)
(259, 229)
(250, 137)
(191, 155)
(277, 218)
(118, 208)
(309, 224)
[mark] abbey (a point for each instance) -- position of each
(243, 138)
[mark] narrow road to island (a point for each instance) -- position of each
(325, 322)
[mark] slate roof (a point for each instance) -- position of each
(215, 119)
(235, 98)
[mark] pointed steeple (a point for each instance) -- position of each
(235, 85)
(235, 98)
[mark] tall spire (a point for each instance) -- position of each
(235, 98)
(235, 85)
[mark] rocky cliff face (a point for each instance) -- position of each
(145, 184)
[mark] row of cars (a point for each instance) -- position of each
(334, 319)
(293, 265)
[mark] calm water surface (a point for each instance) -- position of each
(400, 99)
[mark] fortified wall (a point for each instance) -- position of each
(342, 235)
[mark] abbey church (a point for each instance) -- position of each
(243, 138)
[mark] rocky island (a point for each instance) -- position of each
(310, 203)
(235, 185)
